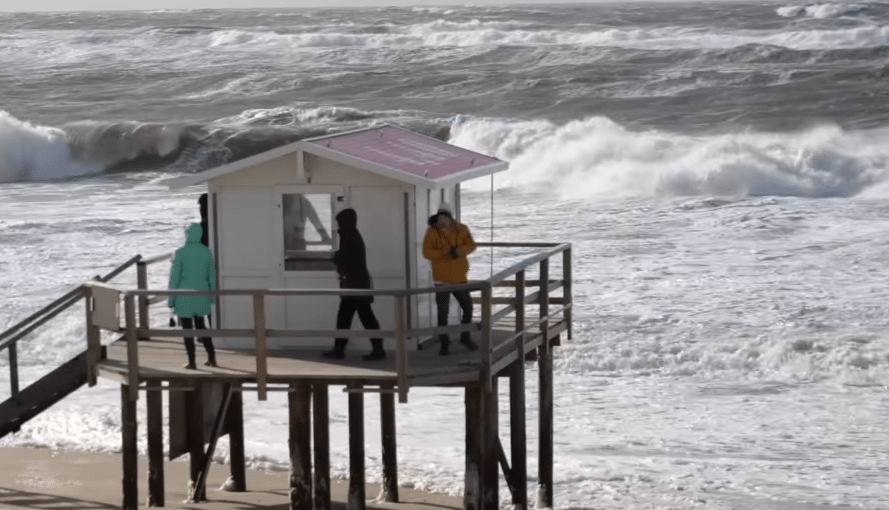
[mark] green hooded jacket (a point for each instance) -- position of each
(193, 268)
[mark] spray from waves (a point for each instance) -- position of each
(821, 11)
(596, 157)
(29, 152)
(86, 148)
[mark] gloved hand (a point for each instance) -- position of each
(452, 251)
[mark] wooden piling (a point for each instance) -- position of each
(129, 449)
(545, 426)
(472, 477)
(235, 426)
(357, 497)
(518, 437)
(195, 401)
(390, 455)
(300, 442)
(320, 411)
(155, 425)
(490, 466)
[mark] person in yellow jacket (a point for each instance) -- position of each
(446, 245)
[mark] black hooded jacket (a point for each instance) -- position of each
(351, 258)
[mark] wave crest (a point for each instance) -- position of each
(33, 152)
(596, 157)
(820, 11)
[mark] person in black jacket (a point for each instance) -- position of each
(205, 224)
(351, 264)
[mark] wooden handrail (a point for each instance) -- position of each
(515, 304)
(515, 268)
(157, 258)
(56, 307)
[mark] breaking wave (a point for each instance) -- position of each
(821, 11)
(45, 153)
(597, 157)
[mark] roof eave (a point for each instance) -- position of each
(363, 164)
(236, 166)
(472, 173)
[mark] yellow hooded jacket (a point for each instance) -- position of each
(437, 243)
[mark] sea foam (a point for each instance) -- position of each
(31, 152)
(598, 157)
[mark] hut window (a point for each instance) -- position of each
(308, 231)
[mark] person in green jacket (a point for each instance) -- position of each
(193, 268)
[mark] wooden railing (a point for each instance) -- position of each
(9, 339)
(135, 324)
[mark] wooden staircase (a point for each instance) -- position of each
(42, 394)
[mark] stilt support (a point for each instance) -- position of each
(545, 417)
(300, 442)
(472, 482)
(518, 476)
(321, 414)
(238, 480)
(129, 449)
(201, 486)
(490, 469)
(390, 456)
(155, 424)
(195, 422)
(357, 497)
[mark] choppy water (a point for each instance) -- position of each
(720, 168)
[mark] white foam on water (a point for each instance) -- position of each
(596, 157)
(31, 152)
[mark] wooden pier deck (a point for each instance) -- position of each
(161, 360)
(208, 401)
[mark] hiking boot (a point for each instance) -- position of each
(375, 355)
(338, 351)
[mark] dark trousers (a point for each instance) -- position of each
(346, 313)
(443, 300)
(196, 323)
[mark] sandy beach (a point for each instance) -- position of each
(46, 478)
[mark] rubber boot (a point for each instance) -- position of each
(338, 351)
(467, 342)
(377, 353)
(445, 346)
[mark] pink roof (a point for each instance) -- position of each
(407, 152)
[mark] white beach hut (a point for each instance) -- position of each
(272, 223)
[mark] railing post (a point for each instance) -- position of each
(520, 305)
(259, 327)
(544, 301)
(486, 336)
(13, 369)
(400, 349)
(566, 288)
(142, 283)
(132, 347)
(93, 339)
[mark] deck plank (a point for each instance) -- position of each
(161, 359)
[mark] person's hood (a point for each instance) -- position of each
(193, 233)
(347, 219)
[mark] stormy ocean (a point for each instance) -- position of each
(722, 170)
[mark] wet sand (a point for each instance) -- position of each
(45, 478)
